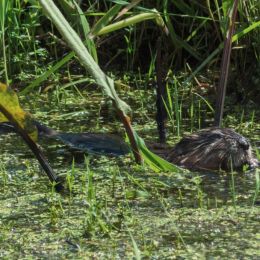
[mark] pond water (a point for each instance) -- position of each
(113, 208)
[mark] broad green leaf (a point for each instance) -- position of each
(9, 100)
(154, 161)
(154, 14)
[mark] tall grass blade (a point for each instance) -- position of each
(219, 48)
(85, 26)
(105, 20)
(221, 91)
(178, 42)
(4, 7)
(137, 251)
(177, 106)
(75, 14)
(127, 8)
(257, 188)
(49, 72)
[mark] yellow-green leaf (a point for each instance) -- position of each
(9, 100)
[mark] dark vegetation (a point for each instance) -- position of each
(32, 44)
(115, 208)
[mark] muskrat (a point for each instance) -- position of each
(213, 149)
(209, 149)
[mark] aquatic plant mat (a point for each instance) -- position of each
(114, 209)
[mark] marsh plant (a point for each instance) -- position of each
(113, 208)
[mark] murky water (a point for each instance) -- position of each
(113, 208)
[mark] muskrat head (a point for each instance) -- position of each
(236, 150)
(212, 149)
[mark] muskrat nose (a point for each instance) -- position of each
(244, 143)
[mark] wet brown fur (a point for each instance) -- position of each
(213, 149)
